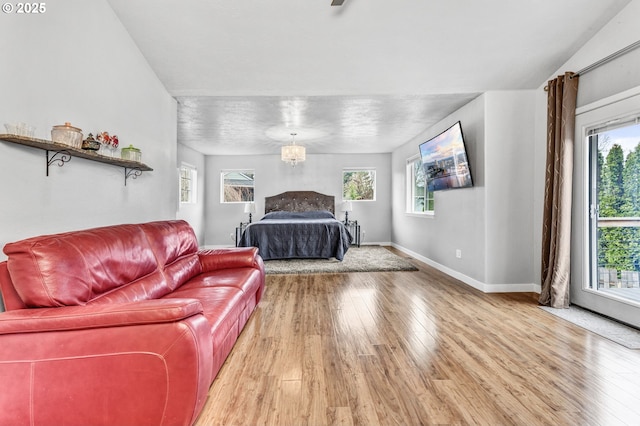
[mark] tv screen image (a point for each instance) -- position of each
(445, 162)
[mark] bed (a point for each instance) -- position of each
(298, 225)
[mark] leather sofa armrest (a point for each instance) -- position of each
(97, 316)
(226, 258)
(147, 362)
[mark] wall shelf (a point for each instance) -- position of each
(59, 154)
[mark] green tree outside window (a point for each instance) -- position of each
(359, 185)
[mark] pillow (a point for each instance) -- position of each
(316, 214)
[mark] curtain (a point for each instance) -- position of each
(556, 222)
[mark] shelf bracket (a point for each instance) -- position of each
(133, 172)
(58, 157)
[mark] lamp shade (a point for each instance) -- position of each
(250, 208)
(293, 154)
(347, 206)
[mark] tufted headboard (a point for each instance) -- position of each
(299, 201)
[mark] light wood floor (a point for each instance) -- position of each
(416, 348)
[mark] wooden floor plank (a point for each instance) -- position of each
(416, 348)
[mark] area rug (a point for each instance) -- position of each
(357, 259)
(605, 327)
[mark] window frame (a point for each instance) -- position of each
(592, 136)
(360, 169)
(192, 186)
(223, 173)
(410, 193)
(593, 115)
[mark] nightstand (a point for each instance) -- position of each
(239, 231)
(354, 230)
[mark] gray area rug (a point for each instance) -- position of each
(605, 327)
(357, 259)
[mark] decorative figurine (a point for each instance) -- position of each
(90, 143)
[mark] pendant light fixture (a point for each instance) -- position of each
(292, 153)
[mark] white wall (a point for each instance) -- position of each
(194, 213)
(490, 223)
(459, 219)
(321, 173)
(509, 146)
(76, 63)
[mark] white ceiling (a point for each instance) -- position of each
(367, 76)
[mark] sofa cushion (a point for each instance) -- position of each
(246, 279)
(76, 267)
(8, 292)
(176, 249)
(221, 307)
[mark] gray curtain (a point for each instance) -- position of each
(556, 222)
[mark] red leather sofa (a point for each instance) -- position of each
(120, 325)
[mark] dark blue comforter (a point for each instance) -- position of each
(298, 235)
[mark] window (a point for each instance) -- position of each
(237, 186)
(188, 182)
(419, 199)
(614, 149)
(359, 184)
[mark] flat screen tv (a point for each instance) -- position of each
(444, 159)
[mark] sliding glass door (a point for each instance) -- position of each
(605, 271)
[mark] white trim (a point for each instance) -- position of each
(409, 194)
(358, 169)
(428, 214)
(612, 296)
(484, 287)
(609, 100)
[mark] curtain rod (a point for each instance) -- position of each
(611, 57)
(604, 60)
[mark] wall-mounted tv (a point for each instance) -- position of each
(444, 159)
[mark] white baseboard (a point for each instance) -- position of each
(484, 287)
